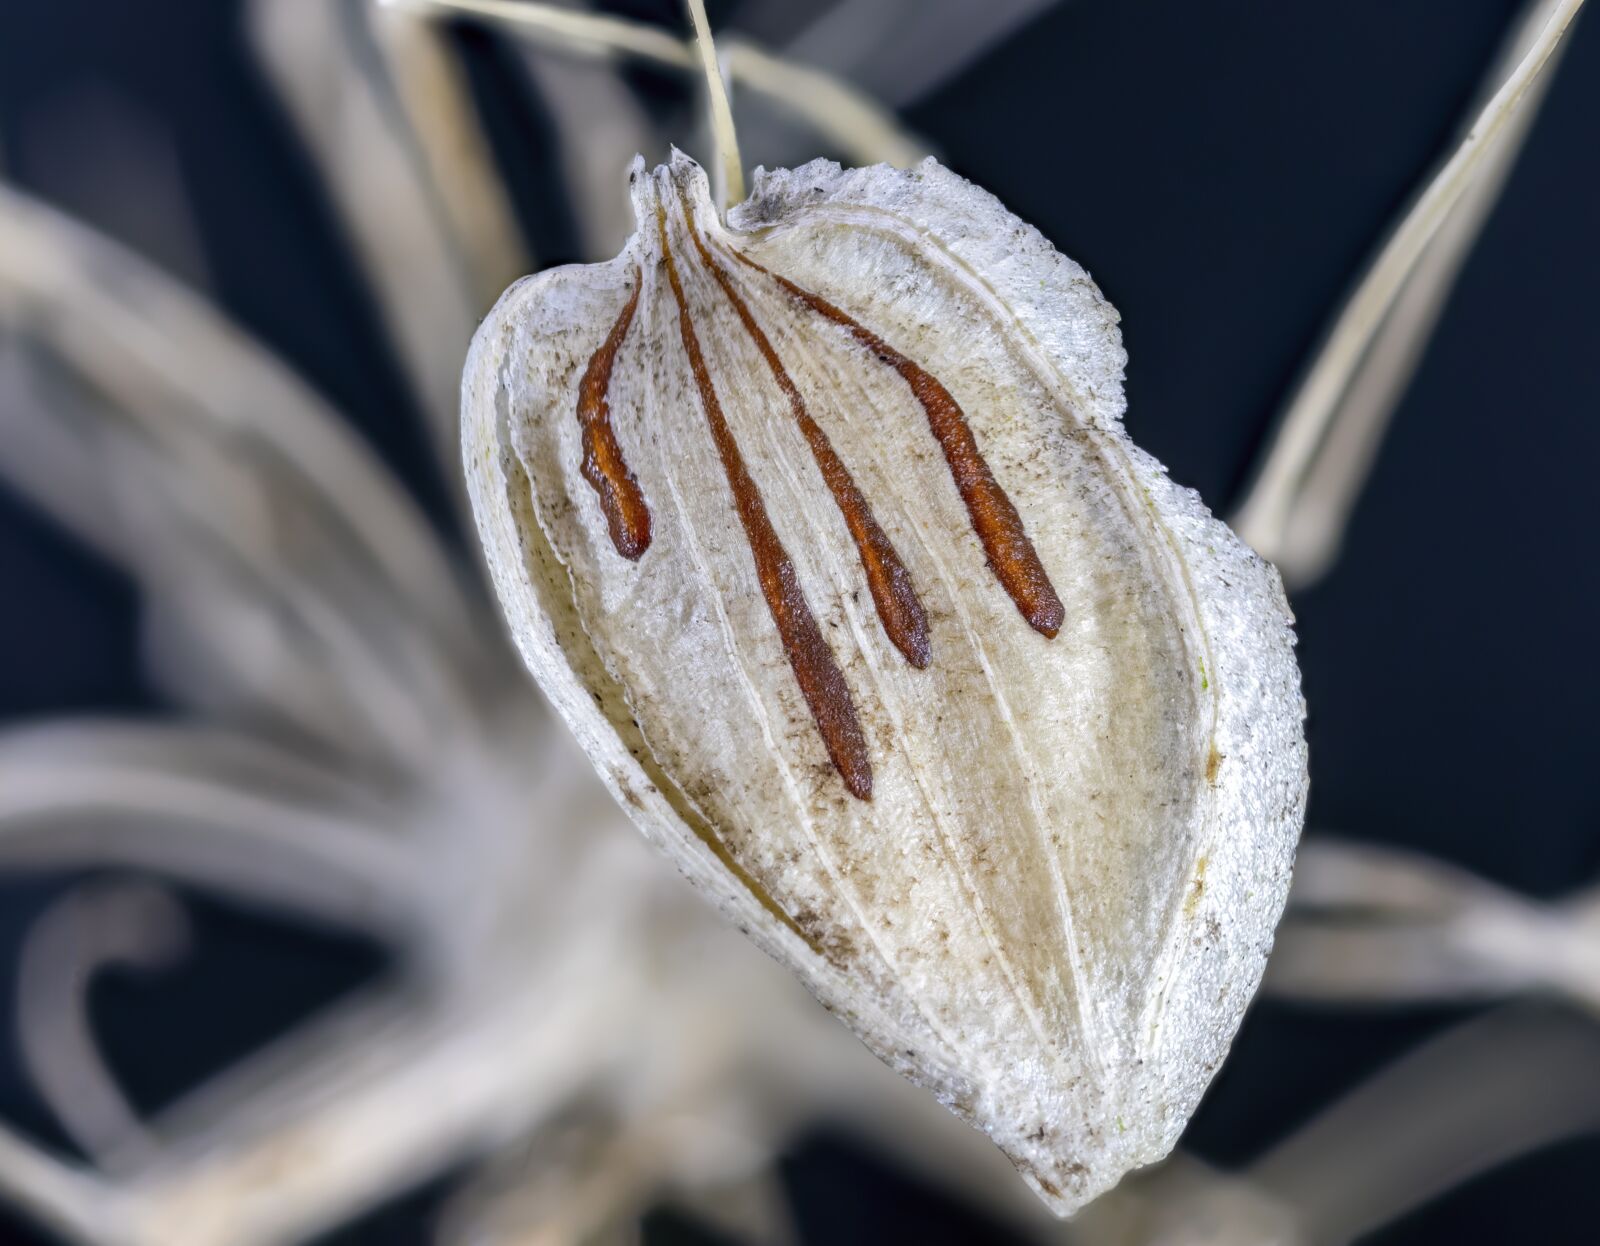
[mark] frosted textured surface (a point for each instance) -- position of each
(1059, 899)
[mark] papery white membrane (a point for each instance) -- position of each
(1058, 900)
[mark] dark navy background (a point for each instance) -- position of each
(1222, 169)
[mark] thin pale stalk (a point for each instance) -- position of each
(579, 31)
(137, 333)
(601, 124)
(1374, 925)
(841, 115)
(1458, 1105)
(864, 131)
(1371, 924)
(902, 50)
(585, 1185)
(1482, 1094)
(729, 169)
(68, 453)
(1331, 873)
(1297, 506)
(432, 91)
(753, 1207)
(177, 801)
(328, 69)
(163, 437)
(384, 1099)
(1375, 966)
(60, 1196)
(256, 593)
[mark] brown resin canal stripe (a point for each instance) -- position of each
(1011, 554)
(621, 499)
(899, 609)
(815, 668)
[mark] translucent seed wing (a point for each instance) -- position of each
(1051, 898)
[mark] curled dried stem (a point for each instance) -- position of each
(96, 925)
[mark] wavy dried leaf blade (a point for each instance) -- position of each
(934, 681)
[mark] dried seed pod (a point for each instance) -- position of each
(821, 531)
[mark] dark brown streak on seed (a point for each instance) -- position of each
(621, 499)
(1011, 554)
(815, 670)
(899, 609)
